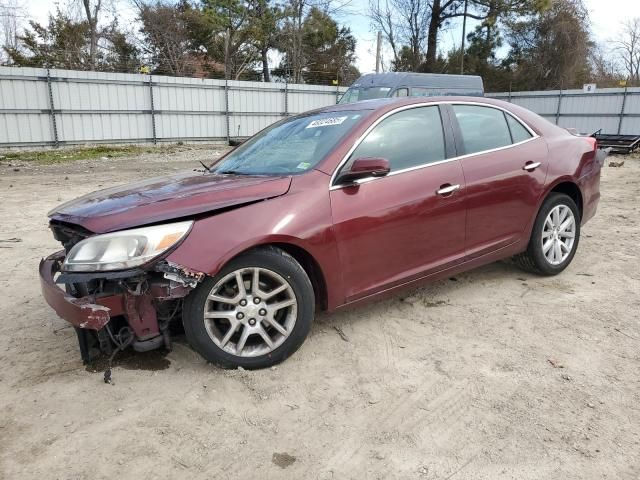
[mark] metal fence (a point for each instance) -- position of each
(40, 107)
(614, 110)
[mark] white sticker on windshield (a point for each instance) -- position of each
(325, 122)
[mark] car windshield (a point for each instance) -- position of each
(355, 94)
(291, 146)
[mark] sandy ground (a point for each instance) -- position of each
(494, 374)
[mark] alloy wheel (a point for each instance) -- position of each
(558, 234)
(250, 312)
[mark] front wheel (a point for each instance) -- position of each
(253, 314)
(555, 236)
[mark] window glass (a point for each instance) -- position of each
(406, 139)
(483, 128)
(518, 132)
(355, 94)
(422, 92)
(401, 92)
(291, 146)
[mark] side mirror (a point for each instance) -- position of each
(364, 168)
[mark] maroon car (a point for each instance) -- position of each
(322, 210)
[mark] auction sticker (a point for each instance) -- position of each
(325, 122)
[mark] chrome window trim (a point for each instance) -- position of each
(355, 145)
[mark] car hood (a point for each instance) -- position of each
(165, 198)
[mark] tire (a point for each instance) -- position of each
(218, 338)
(534, 259)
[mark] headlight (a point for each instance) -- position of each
(125, 249)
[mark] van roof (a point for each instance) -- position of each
(409, 79)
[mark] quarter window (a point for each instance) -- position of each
(401, 92)
(518, 132)
(483, 128)
(406, 139)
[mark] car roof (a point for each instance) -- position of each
(380, 106)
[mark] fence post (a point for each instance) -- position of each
(624, 103)
(226, 108)
(286, 97)
(52, 113)
(153, 112)
(559, 106)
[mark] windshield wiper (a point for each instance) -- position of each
(232, 172)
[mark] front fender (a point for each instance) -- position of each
(302, 218)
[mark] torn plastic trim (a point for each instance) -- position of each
(178, 273)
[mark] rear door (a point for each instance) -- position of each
(504, 165)
(393, 229)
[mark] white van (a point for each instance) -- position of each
(409, 84)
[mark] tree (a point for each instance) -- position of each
(232, 23)
(552, 49)
(264, 31)
(291, 36)
(627, 48)
(403, 24)
(67, 43)
(92, 12)
(166, 38)
(11, 14)
(327, 52)
(328, 49)
(60, 44)
(604, 71)
(417, 24)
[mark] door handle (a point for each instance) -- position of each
(447, 189)
(530, 166)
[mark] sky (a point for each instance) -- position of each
(606, 19)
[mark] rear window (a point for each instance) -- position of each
(483, 128)
(518, 132)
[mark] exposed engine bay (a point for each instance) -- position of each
(114, 310)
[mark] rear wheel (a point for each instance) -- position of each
(555, 236)
(255, 313)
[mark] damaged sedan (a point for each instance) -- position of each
(323, 210)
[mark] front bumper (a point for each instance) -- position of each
(137, 303)
(85, 312)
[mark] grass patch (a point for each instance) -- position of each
(52, 156)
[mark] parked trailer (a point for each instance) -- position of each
(617, 143)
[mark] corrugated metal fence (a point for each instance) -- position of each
(614, 110)
(64, 107)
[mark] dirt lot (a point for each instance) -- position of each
(492, 374)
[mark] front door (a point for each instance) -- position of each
(410, 223)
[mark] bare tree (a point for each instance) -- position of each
(605, 71)
(384, 19)
(92, 12)
(403, 24)
(11, 15)
(628, 49)
(165, 38)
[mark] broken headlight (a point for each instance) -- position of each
(124, 249)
